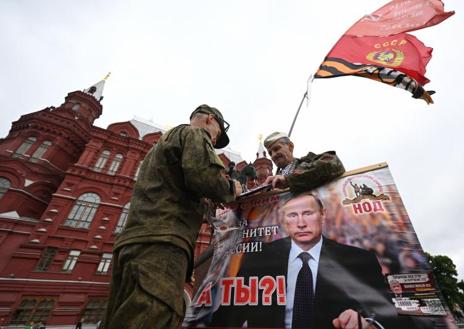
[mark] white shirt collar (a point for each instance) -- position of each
(315, 251)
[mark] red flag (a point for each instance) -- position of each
(399, 16)
(377, 48)
(402, 52)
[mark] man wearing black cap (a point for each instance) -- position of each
(153, 255)
(304, 174)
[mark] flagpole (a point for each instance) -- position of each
(306, 95)
(297, 112)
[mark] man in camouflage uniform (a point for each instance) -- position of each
(307, 173)
(153, 255)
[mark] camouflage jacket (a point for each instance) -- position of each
(166, 206)
(314, 170)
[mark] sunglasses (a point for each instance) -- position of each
(221, 121)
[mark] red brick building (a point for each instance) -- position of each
(65, 188)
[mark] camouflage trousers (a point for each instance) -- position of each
(147, 286)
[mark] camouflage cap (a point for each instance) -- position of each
(223, 139)
(274, 137)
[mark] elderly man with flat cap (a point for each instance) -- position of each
(153, 255)
(304, 174)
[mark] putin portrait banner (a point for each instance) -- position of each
(344, 252)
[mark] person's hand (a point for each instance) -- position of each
(238, 187)
(277, 181)
(349, 320)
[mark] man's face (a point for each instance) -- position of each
(213, 128)
(396, 287)
(302, 220)
(281, 153)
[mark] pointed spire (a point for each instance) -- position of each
(261, 150)
(96, 90)
(262, 164)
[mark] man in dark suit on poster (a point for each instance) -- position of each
(347, 290)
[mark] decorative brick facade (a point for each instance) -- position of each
(65, 187)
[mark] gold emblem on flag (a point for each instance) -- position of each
(388, 57)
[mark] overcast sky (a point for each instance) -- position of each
(251, 59)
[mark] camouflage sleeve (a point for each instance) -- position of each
(314, 171)
(204, 172)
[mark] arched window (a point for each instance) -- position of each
(25, 146)
(104, 264)
(115, 164)
(76, 107)
(84, 210)
(92, 90)
(102, 160)
(71, 260)
(4, 186)
(41, 150)
(123, 218)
